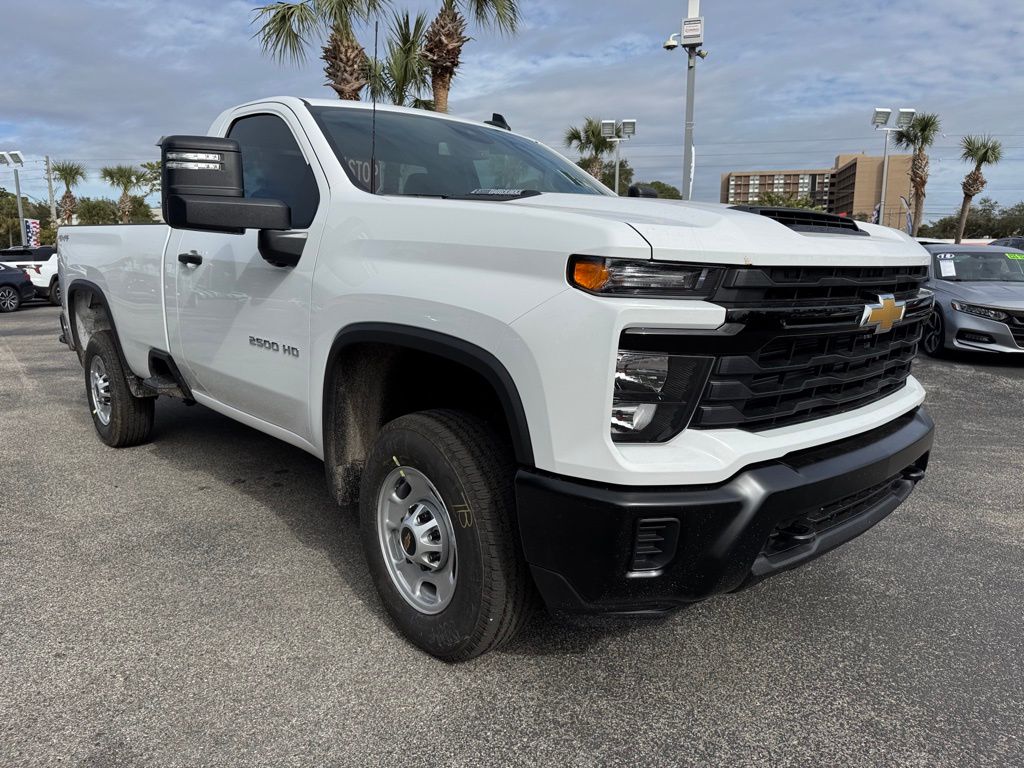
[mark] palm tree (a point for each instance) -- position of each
(70, 174)
(447, 36)
(980, 150)
(591, 144)
(286, 29)
(918, 137)
(403, 78)
(127, 179)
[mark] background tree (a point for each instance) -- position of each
(102, 210)
(70, 175)
(150, 178)
(590, 144)
(626, 175)
(403, 77)
(287, 29)
(781, 200)
(918, 137)
(985, 219)
(665, 191)
(127, 179)
(980, 150)
(446, 38)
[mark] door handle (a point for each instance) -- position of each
(192, 258)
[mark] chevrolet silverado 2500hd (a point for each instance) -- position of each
(527, 384)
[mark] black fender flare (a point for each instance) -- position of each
(452, 348)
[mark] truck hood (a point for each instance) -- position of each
(995, 294)
(687, 231)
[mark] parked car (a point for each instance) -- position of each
(41, 264)
(1009, 242)
(523, 382)
(979, 299)
(15, 288)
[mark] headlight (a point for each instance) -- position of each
(654, 279)
(655, 395)
(973, 309)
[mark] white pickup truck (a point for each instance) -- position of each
(527, 385)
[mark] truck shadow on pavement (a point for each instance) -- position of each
(291, 483)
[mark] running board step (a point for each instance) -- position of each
(164, 385)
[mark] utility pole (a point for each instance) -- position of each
(49, 186)
(691, 39)
(880, 122)
(618, 132)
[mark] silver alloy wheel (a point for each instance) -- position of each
(99, 381)
(8, 299)
(417, 540)
(932, 333)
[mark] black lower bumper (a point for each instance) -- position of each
(611, 549)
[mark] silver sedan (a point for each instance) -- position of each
(979, 299)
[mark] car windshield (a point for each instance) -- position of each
(419, 155)
(970, 266)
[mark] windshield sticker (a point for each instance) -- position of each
(947, 268)
(1015, 256)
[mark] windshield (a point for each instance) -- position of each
(971, 266)
(419, 155)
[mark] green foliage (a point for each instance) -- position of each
(403, 77)
(920, 134)
(102, 210)
(150, 178)
(69, 173)
(780, 200)
(981, 150)
(502, 15)
(286, 30)
(125, 178)
(626, 174)
(985, 219)
(665, 191)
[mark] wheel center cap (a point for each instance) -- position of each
(408, 541)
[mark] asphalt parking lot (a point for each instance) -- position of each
(201, 601)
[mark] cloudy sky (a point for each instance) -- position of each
(787, 83)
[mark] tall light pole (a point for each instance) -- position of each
(618, 132)
(880, 120)
(691, 39)
(14, 159)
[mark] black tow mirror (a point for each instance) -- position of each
(202, 188)
(642, 190)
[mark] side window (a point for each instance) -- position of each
(273, 166)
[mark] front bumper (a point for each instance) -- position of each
(979, 334)
(581, 538)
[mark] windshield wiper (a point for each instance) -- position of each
(499, 194)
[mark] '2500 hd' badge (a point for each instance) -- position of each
(273, 346)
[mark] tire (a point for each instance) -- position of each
(54, 293)
(120, 418)
(460, 472)
(933, 338)
(10, 299)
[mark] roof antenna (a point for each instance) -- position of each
(373, 128)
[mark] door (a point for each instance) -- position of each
(243, 323)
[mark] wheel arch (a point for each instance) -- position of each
(367, 394)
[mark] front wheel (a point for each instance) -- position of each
(933, 341)
(120, 418)
(54, 294)
(437, 519)
(9, 299)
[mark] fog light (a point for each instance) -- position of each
(632, 418)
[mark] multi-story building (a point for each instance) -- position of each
(852, 187)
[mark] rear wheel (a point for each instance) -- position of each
(9, 299)
(120, 418)
(437, 519)
(933, 340)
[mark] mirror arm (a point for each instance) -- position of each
(282, 249)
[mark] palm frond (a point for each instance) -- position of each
(286, 28)
(123, 177)
(502, 15)
(68, 173)
(981, 150)
(920, 134)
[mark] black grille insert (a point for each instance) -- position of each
(804, 220)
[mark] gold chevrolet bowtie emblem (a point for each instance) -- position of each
(883, 315)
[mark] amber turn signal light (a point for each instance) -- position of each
(591, 275)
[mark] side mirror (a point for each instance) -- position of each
(202, 188)
(642, 190)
